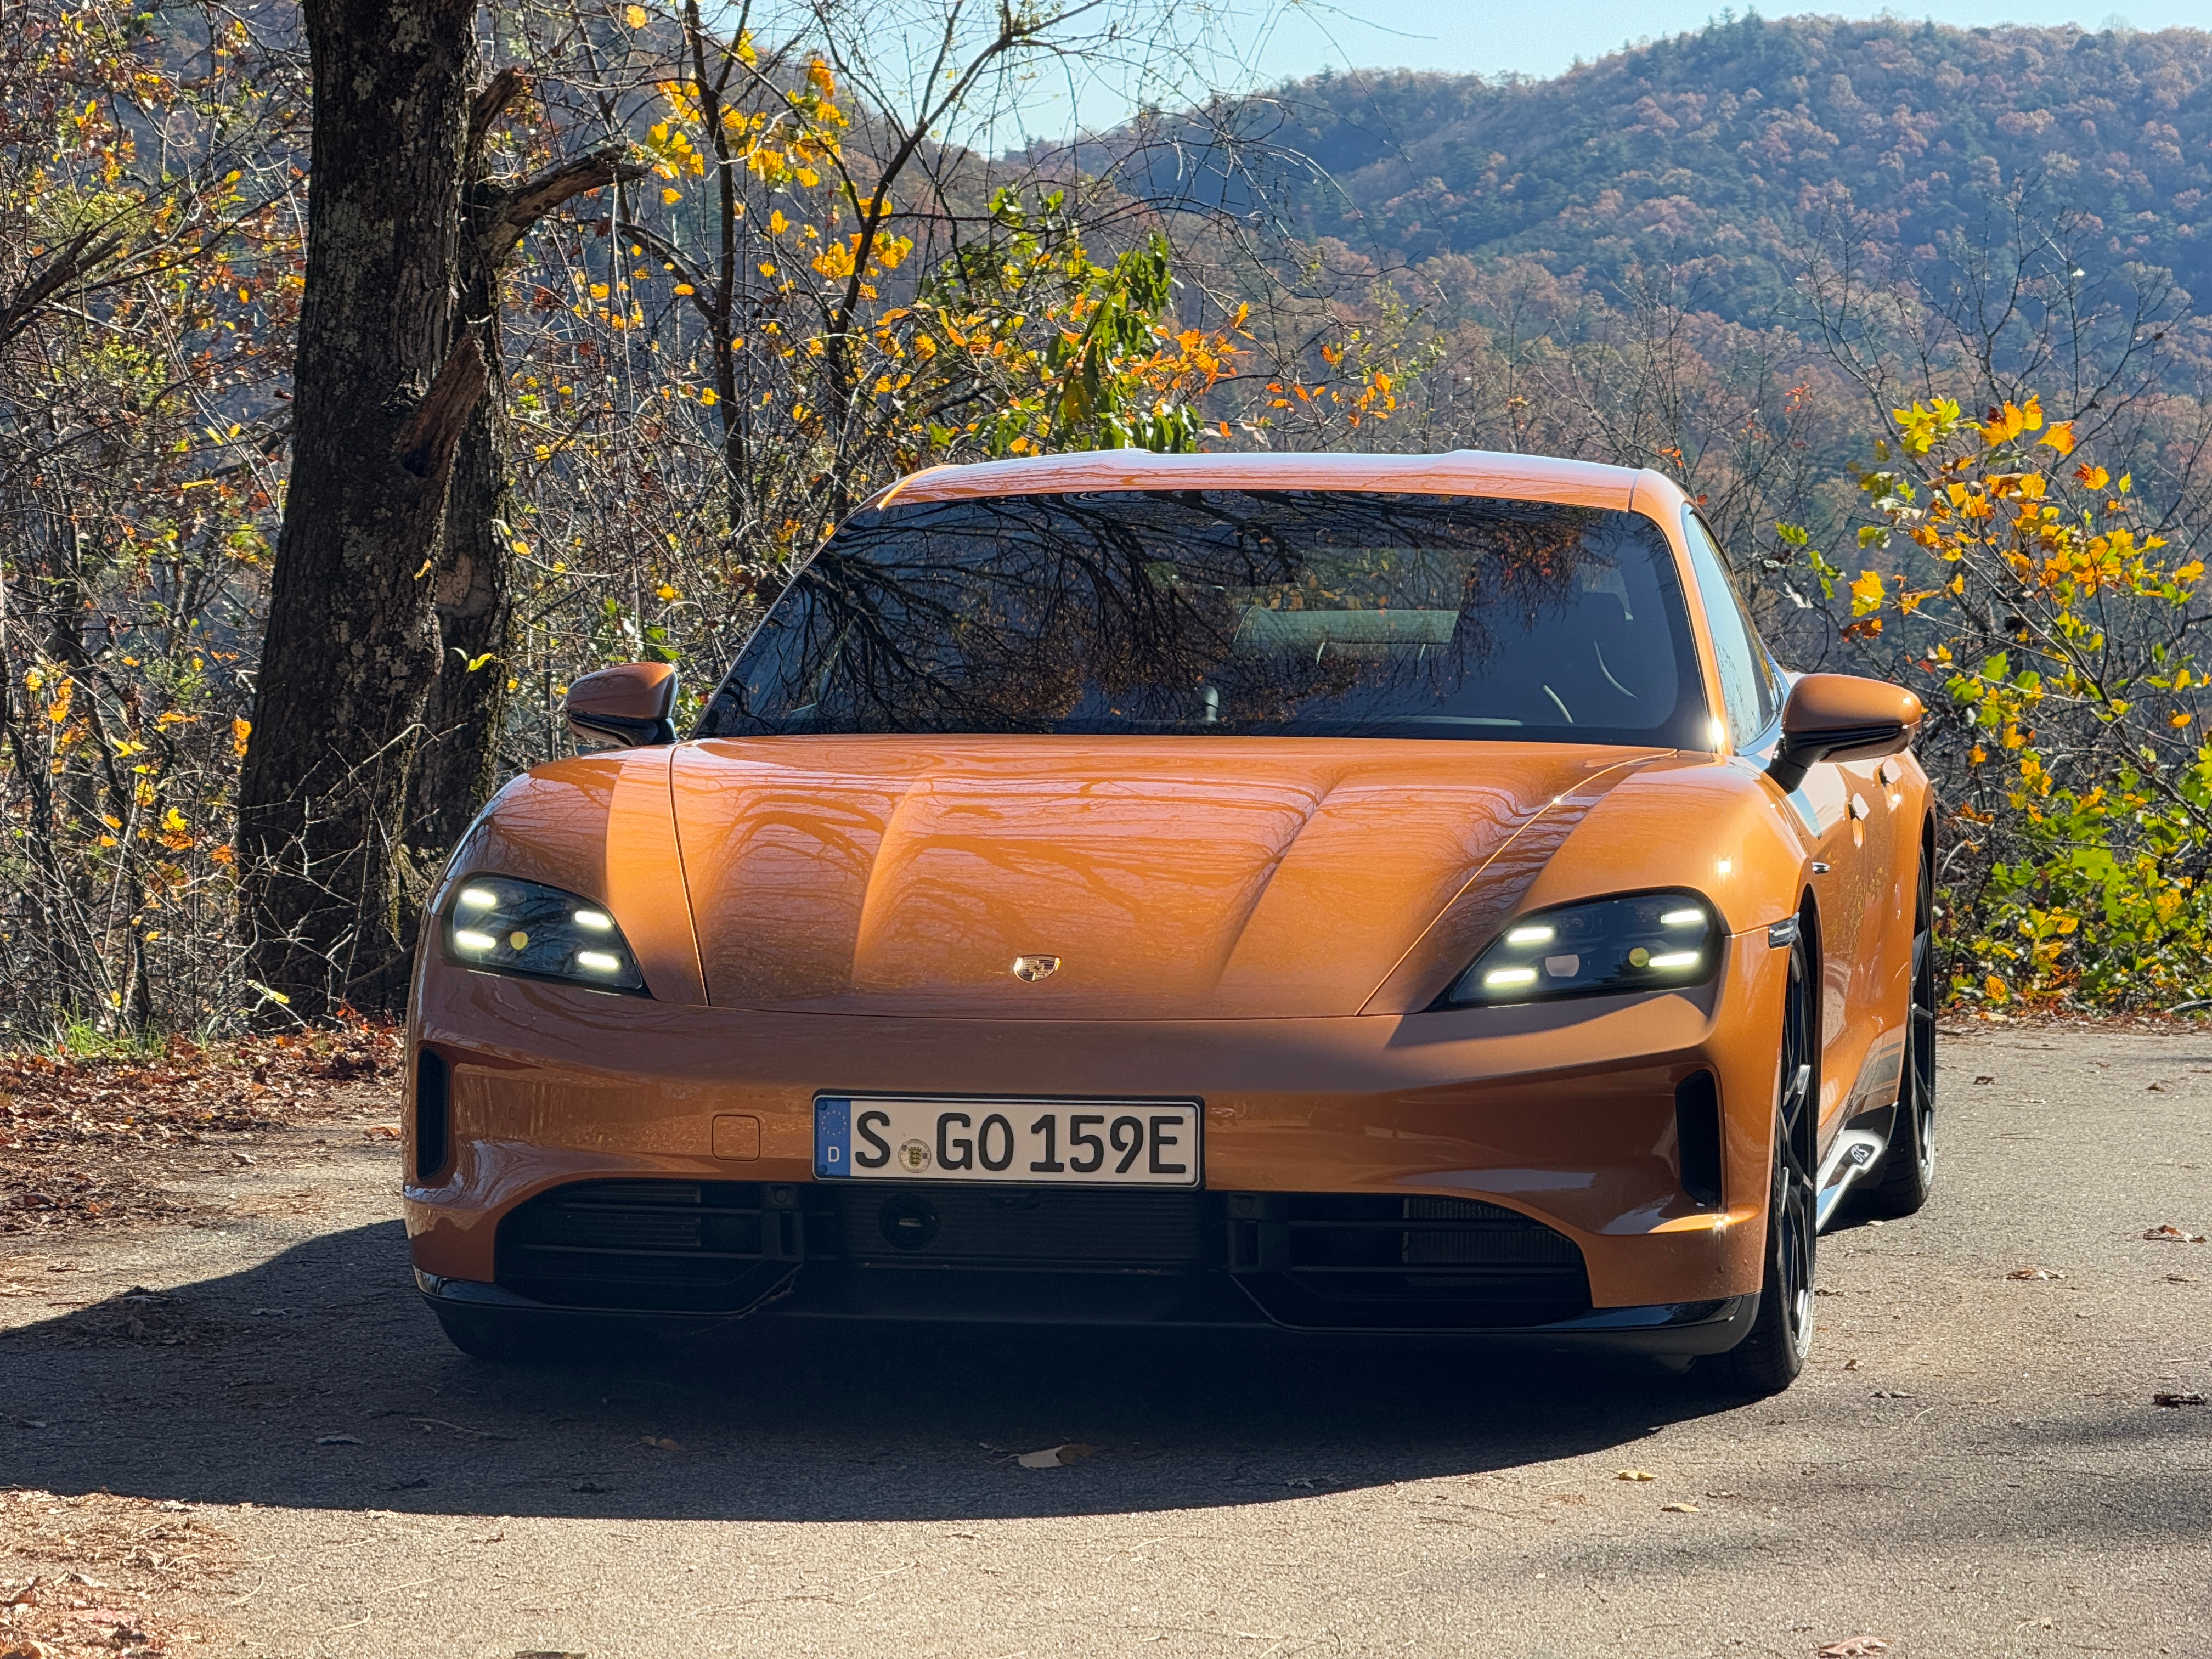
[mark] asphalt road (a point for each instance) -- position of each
(1973, 1465)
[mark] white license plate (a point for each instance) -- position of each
(1106, 1143)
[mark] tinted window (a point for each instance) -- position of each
(1746, 680)
(1291, 613)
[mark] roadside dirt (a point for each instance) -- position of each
(1995, 1450)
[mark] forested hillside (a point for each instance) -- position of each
(1722, 149)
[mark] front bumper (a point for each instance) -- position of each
(1564, 1115)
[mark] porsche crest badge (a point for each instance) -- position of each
(1031, 969)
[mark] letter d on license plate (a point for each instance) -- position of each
(1108, 1143)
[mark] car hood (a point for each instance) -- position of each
(1172, 877)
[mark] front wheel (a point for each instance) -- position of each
(1769, 1359)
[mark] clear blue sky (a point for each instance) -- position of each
(1235, 43)
(1545, 39)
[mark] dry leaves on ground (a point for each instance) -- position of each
(1052, 1457)
(2177, 1400)
(2033, 1272)
(85, 1141)
(2166, 1233)
(1854, 1647)
(104, 1575)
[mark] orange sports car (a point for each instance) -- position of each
(1339, 893)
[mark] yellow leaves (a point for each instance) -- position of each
(747, 54)
(777, 224)
(241, 731)
(57, 711)
(685, 287)
(706, 397)
(670, 197)
(666, 593)
(635, 16)
(2008, 423)
(1922, 427)
(176, 833)
(2060, 437)
(2030, 486)
(2178, 720)
(824, 83)
(1996, 989)
(1867, 593)
(223, 854)
(598, 290)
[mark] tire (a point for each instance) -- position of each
(1908, 1164)
(1769, 1359)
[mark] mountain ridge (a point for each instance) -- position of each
(1719, 152)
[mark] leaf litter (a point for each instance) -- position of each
(1054, 1457)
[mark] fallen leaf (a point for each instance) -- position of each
(1890, 1393)
(1052, 1457)
(1854, 1647)
(26, 1597)
(1986, 1079)
(22, 1647)
(2170, 1279)
(490, 1538)
(242, 1159)
(1851, 1365)
(2177, 1400)
(382, 1132)
(2033, 1272)
(2157, 1088)
(664, 1445)
(1635, 1474)
(336, 1440)
(2166, 1233)
(1678, 1508)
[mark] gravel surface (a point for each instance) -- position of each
(1974, 1464)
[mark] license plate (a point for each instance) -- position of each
(1104, 1143)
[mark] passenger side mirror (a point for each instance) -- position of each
(1841, 717)
(627, 706)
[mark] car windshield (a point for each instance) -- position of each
(1262, 613)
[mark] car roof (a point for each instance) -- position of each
(1456, 472)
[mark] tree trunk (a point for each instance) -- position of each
(385, 382)
(458, 764)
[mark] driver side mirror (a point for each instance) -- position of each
(1841, 717)
(627, 706)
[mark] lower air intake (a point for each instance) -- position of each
(661, 1246)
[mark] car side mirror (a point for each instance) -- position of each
(627, 706)
(1841, 717)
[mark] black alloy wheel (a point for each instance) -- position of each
(1908, 1167)
(1769, 1359)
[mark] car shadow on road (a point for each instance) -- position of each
(317, 1379)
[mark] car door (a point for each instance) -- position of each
(1834, 806)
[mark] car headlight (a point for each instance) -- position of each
(520, 927)
(1638, 942)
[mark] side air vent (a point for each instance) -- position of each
(1354, 1260)
(1697, 1137)
(673, 1246)
(434, 1114)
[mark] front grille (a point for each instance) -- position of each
(1315, 1260)
(675, 1246)
(1030, 1227)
